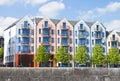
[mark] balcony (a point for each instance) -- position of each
(64, 35)
(46, 43)
(81, 29)
(98, 37)
(98, 29)
(64, 44)
(46, 27)
(64, 28)
(46, 35)
(82, 36)
(25, 43)
(25, 26)
(114, 39)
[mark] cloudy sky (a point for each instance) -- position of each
(106, 11)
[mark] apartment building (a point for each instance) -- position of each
(98, 35)
(82, 35)
(23, 38)
(113, 40)
(46, 34)
(19, 43)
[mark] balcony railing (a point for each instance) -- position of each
(64, 44)
(46, 34)
(64, 35)
(98, 37)
(46, 43)
(46, 27)
(82, 36)
(114, 39)
(81, 29)
(98, 29)
(26, 27)
(64, 28)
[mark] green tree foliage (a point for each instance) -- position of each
(62, 56)
(81, 55)
(1, 52)
(97, 55)
(113, 56)
(41, 55)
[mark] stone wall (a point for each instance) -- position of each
(59, 74)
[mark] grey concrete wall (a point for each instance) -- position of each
(59, 74)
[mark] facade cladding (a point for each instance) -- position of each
(23, 38)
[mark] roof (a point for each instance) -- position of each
(72, 22)
(55, 21)
(89, 23)
(13, 24)
(37, 20)
(118, 33)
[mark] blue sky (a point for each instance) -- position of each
(106, 11)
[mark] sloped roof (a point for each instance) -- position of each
(55, 21)
(89, 23)
(118, 33)
(37, 20)
(72, 22)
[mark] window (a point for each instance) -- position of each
(70, 41)
(46, 23)
(52, 32)
(81, 26)
(64, 24)
(58, 40)
(32, 40)
(19, 40)
(103, 49)
(9, 33)
(39, 39)
(52, 48)
(118, 43)
(108, 43)
(93, 42)
(25, 23)
(113, 36)
(52, 40)
(32, 32)
(32, 48)
(19, 48)
(70, 33)
(58, 32)
(92, 34)
(75, 33)
(70, 49)
(39, 31)
(87, 49)
(18, 31)
(87, 41)
(97, 27)
(102, 34)
(76, 41)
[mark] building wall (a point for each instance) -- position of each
(110, 39)
(84, 36)
(99, 34)
(64, 38)
(14, 40)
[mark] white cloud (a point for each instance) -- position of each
(7, 2)
(32, 2)
(51, 9)
(113, 25)
(5, 22)
(111, 7)
(35, 2)
(98, 12)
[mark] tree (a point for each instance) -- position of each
(81, 56)
(97, 55)
(62, 56)
(1, 52)
(42, 56)
(113, 56)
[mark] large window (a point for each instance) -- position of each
(25, 32)
(25, 23)
(25, 40)
(81, 26)
(113, 36)
(46, 23)
(64, 24)
(46, 40)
